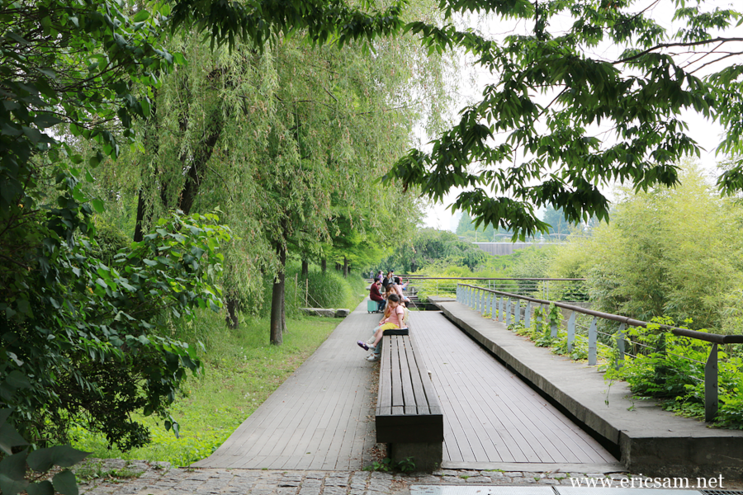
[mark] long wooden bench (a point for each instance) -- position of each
(409, 416)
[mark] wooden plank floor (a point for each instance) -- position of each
(322, 417)
(490, 415)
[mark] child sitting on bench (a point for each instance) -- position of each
(393, 318)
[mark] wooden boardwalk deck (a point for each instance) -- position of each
(322, 417)
(490, 415)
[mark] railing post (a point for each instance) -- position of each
(711, 386)
(508, 311)
(620, 346)
(516, 311)
(571, 331)
(553, 327)
(527, 315)
(501, 316)
(482, 301)
(490, 304)
(592, 334)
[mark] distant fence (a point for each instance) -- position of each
(562, 289)
(514, 308)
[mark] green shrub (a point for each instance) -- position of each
(671, 369)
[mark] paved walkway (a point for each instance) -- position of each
(271, 482)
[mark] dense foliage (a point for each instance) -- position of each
(582, 93)
(673, 252)
(432, 248)
(84, 324)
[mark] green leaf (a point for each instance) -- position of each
(45, 120)
(140, 16)
(65, 483)
(16, 380)
(10, 486)
(12, 473)
(61, 455)
(10, 438)
(42, 488)
(97, 205)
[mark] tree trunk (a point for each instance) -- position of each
(201, 155)
(141, 212)
(305, 269)
(345, 267)
(233, 321)
(324, 265)
(278, 322)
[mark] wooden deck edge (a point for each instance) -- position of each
(534, 467)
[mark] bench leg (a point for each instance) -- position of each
(426, 456)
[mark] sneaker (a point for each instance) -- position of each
(363, 345)
(372, 357)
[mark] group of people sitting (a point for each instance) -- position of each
(383, 287)
(394, 304)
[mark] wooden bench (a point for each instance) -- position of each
(409, 416)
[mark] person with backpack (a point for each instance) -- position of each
(375, 295)
(395, 316)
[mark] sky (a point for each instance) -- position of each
(472, 80)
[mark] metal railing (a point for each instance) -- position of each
(507, 307)
(565, 289)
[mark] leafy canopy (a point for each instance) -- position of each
(589, 92)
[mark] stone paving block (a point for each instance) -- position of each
(336, 482)
(309, 490)
(334, 490)
(314, 475)
(548, 481)
(514, 474)
(478, 479)
(286, 490)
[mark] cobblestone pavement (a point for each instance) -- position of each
(160, 480)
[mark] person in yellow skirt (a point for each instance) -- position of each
(394, 315)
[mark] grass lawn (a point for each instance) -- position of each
(241, 370)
